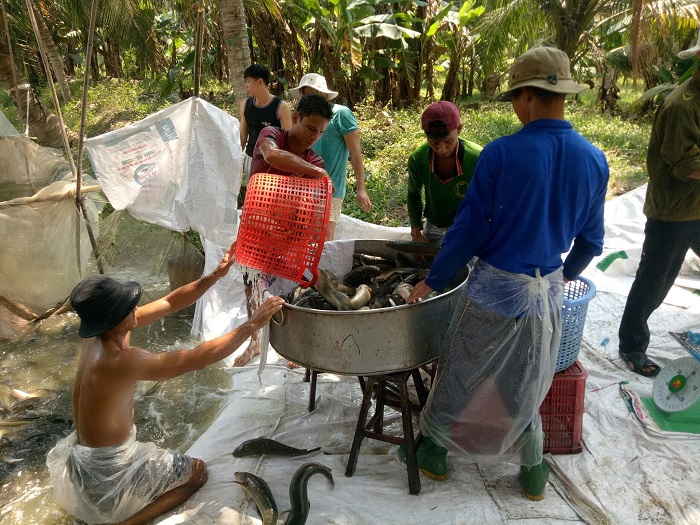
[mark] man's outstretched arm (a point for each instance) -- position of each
(141, 365)
(185, 295)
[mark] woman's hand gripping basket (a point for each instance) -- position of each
(283, 225)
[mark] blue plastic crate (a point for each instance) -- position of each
(577, 295)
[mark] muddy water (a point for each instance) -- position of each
(173, 413)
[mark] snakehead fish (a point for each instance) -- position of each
(269, 447)
(298, 493)
(259, 491)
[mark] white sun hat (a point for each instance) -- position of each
(691, 51)
(315, 81)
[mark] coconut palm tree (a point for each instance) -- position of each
(52, 53)
(235, 32)
(570, 25)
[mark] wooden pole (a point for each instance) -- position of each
(198, 52)
(47, 70)
(15, 92)
(59, 114)
(79, 199)
(23, 201)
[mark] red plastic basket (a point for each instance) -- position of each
(562, 411)
(283, 225)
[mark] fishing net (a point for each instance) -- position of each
(171, 182)
(45, 247)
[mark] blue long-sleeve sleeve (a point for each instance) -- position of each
(532, 194)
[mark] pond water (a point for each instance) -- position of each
(172, 414)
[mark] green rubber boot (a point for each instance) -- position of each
(534, 480)
(432, 459)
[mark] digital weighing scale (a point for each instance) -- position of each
(673, 403)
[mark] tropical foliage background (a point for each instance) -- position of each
(385, 58)
(388, 52)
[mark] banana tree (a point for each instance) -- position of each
(459, 39)
(351, 41)
(392, 55)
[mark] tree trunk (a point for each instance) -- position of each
(43, 124)
(233, 25)
(54, 57)
(432, 9)
(218, 67)
(418, 72)
(382, 87)
(490, 85)
(396, 100)
(450, 90)
(472, 68)
(95, 65)
(113, 61)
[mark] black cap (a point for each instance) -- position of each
(102, 303)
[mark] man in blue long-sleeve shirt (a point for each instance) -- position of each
(533, 194)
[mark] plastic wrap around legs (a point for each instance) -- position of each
(496, 366)
(109, 484)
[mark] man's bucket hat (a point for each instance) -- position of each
(316, 81)
(102, 303)
(691, 51)
(440, 113)
(543, 67)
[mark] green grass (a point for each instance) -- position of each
(387, 136)
(387, 142)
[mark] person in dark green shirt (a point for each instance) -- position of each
(444, 167)
(672, 209)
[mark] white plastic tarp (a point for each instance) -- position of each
(614, 270)
(625, 475)
(180, 168)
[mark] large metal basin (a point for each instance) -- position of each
(364, 342)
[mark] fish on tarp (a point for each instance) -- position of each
(269, 447)
(259, 491)
(299, 494)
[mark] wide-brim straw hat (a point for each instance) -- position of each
(691, 51)
(546, 68)
(102, 303)
(315, 81)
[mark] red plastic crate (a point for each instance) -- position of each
(562, 411)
